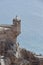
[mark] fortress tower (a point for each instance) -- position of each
(17, 25)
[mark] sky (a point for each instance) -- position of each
(31, 14)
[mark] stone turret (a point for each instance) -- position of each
(17, 25)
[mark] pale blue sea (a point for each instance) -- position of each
(31, 14)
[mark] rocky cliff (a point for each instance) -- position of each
(12, 54)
